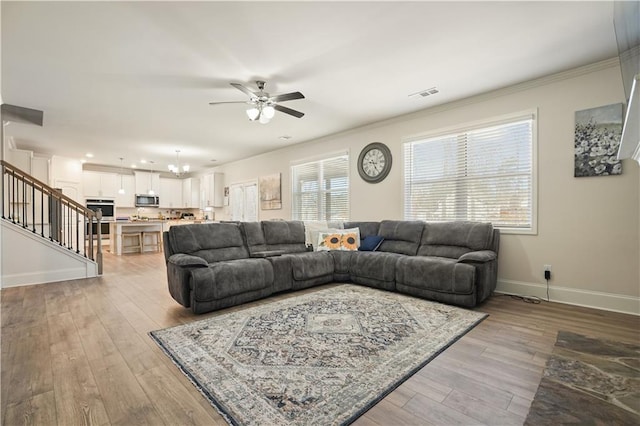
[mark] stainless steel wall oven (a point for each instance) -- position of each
(108, 215)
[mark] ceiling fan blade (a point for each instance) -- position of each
(229, 102)
(244, 90)
(289, 111)
(287, 97)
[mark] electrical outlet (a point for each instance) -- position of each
(547, 272)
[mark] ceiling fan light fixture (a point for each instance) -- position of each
(264, 119)
(268, 111)
(253, 113)
(262, 104)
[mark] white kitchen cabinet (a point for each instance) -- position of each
(170, 193)
(128, 199)
(212, 190)
(146, 181)
(99, 184)
(191, 193)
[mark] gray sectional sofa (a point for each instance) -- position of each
(218, 265)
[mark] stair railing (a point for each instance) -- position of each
(48, 213)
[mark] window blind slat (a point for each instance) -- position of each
(483, 174)
(320, 189)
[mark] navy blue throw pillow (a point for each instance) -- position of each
(370, 243)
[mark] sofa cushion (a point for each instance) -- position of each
(366, 228)
(254, 236)
(287, 236)
(342, 263)
(453, 239)
(229, 278)
(400, 236)
(214, 242)
(376, 265)
(439, 274)
(311, 264)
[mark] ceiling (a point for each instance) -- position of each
(134, 79)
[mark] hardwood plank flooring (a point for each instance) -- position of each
(77, 352)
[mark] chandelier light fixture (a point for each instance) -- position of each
(121, 190)
(176, 169)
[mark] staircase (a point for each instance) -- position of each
(45, 236)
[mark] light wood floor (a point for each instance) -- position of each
(77, 352)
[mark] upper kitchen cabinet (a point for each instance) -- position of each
(128, 199)
(212, 190)
(147, 181)
(170, 193)
(191, 193)
(99, 184)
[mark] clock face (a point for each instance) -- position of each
(374, 162)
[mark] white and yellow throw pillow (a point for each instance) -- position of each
(339, 239)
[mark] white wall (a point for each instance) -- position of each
(588, 228)
(28, 259)
(66, 173)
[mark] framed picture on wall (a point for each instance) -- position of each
(270, 192)
(596, 141)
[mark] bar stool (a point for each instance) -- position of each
(136, 244)
(156, 243)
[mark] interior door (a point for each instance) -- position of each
(243, 200)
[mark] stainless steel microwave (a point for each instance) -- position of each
(145, 200)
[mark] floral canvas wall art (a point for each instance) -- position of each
(597, 138)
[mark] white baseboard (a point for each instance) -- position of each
(42, 277)
(571, 296)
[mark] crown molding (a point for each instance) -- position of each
(514, 88)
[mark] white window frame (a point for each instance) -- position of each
(319, 159)
(504, 119)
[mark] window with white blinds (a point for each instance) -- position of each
(320, 189)
(480, 174)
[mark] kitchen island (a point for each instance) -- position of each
(117, 228)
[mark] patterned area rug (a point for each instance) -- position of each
(588, 382)
(321, 358)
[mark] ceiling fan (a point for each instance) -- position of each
(262, 105)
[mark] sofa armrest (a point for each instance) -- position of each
(181, 259)
(478, 256)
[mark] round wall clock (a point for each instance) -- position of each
(374, 162)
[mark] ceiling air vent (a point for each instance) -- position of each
(425, 93)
